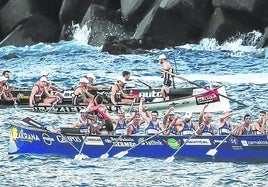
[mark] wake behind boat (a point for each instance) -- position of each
(71, 142)
(189, 99)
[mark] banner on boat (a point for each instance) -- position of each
(208, 97)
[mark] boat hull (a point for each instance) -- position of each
(182, 99)
(235, 148)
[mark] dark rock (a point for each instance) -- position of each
(264, 40)
(32, 30)
(226, 23)
(134, 11)
(103, 23)
(73, 11)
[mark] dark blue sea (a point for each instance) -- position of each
(243, 70)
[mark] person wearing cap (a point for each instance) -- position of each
(167, 77)
(5, 93)
(49, 85)
(81, 95)
(40, 96)
(205, 122)
(84, 123)
(117, 94)
(225, 124)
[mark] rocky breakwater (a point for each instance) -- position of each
(131, 26)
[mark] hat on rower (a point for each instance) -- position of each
(83, 111)
(171, 113)
(122, 80)
(83, 80)
(188, 115)
(2, 78)
(162, 57)
(43, 79)
(44, 73)
(91, 75)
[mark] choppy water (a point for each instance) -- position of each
(242, 69)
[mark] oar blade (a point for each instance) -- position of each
(81, 157)
(106, 155)
(212, 152)
(120, 154)
(169, 159)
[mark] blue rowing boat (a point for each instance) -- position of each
(70, 142)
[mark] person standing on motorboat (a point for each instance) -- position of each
(152, 126)
(246, 127)
(40, 96)
(167, 77)
(259, 126)
(225, 124)
(205, 123)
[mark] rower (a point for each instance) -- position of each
(246, 127)
(126, 76)
(117, 94)
(225, 124)
(40, 96)
(152, 126)
(259, 125)
(85, 123)
(81, 95)
(5, 94)
(205, 123)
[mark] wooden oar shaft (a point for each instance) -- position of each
(198, 85)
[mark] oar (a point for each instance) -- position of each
(171, 158)
(81, 156)
(33, 123)
(53, 105)
(106, 155)
(131, 106)
(184, 79)
(150, 87)
(212, 152)
(123, 153)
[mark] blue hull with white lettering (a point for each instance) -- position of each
(24, 139)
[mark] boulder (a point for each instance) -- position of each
(226, 23)
(171, 23)
(103, 23)
(32, 30)
(264, 40)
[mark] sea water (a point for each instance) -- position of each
(241, 69)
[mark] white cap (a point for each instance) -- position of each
(162, 57)
(188, 115)
(91, 75)
(44, 73)
(43, 79)
(122, 80)
(83, 110)
(2, 78)
(83, 80)
(171, 113)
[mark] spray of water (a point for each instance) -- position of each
(81, 35)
